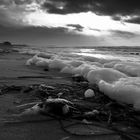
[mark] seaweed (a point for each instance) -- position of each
(99, 110)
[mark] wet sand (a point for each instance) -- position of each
(12, 66)
(13, 72)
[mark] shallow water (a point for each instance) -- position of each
(111, 53)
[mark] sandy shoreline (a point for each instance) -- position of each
(12, 65)
(13, 72)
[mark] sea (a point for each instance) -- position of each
(123, 53)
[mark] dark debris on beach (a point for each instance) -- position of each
(99, 110)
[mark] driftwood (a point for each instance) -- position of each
(111, 115)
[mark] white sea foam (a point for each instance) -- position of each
(42, 63)
(68, 69)
(130, 68)
(126, 90)
(34, 60)
(57, 64)
(114, 77)
(28, 51)
(107, 74)
(111, 64)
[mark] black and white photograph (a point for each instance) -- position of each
(69, 70)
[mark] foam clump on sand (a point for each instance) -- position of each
(67, 69)
(75, 63)
(57, 64)
(107, 74)
(42, 63)
(53, 62)
(126, 90)
(82, 69)
(113, 77)
(130, 68)
(35, 59)
(110, 64)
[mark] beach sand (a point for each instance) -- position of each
(13, 71)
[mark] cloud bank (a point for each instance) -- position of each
(114, 8)
(122, 10)
(71, 21)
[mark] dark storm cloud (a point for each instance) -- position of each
(122, 34)
(105, 7)
(117, 9)
(68, 6)
(114, 8)
(76, 27)
(134, 20)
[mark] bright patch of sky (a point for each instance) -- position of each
(92, 23)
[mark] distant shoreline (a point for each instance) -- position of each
(9, 44)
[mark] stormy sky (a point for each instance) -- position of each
(71, 22)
